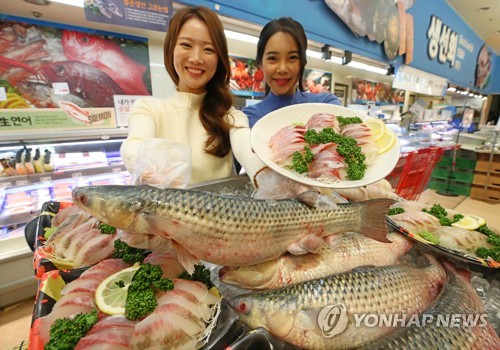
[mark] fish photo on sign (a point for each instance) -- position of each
(377, 20)
(34, 57)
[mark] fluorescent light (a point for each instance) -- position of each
(314, 54)
(366, 67)
(452, 89)
(241, 37)
(77, 3)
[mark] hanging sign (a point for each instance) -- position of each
(411, 79)
(123, 103)
(145, 14)
(445, 45)
(70, 118)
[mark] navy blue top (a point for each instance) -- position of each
(273, 102)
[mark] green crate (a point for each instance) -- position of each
(462, 154)
(459, 163)
(435, 184)
(444, 172)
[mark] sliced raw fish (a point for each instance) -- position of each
(416, 221)
(168, 262)
(319, 121)
(64, 213)
(460, 239)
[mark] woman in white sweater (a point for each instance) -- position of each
(200, 113)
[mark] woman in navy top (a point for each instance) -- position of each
(281, 54)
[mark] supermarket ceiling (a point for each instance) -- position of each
(483, 16)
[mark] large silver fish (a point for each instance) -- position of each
(230, 230)
(353, 250)
(296, 313)
(433, 330)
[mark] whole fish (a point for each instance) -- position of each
(457, 297)
(230, 230)
(353, 250)
(293, 313)
(84, 80)
(108, 57)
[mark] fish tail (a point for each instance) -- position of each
(374, 224)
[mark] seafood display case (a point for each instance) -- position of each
(38, 167)
(76, 157)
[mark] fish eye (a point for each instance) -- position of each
(81, 197)
(59, 70)
(85, 39)
(243, 308)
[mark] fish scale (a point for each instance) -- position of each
(234, 231)
(457, 297)
(291, 312)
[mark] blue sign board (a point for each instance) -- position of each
(145, 14)
(443, 44)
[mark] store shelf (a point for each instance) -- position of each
(36, 179)
(63, 135)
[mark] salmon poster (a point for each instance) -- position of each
(40, 66)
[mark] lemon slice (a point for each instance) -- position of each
(109, 296)
(386, 142)
(376, 126)
(469, 222)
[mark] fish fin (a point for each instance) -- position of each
(185, 258)
(282, 323)
(374, 224)
(295, 249)
(308, 198)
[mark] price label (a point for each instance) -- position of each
(60, 88)
(5, 184)
(3, 94)
(76, 174)
(22, 182)
(45, 179)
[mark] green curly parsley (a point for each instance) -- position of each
(347, 147)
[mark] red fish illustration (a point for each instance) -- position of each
(108, 57)
(85, 81)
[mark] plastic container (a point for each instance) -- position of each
(417, 172)
(260, 339)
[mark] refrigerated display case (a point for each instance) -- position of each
(90, 157)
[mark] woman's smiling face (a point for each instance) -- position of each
(195, 59)
(281, 64)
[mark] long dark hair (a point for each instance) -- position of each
(217, 100)
(292, 27)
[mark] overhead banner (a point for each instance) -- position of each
(414, 80)
(145, 14)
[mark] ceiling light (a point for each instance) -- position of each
(77, 3)
(325, 53)
(452, 89)
(314, 54)
(366, 67)
(347, 57)
(241, 37)
(482, 9)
